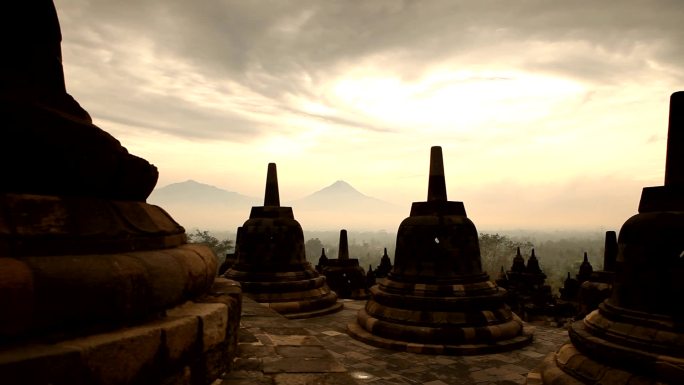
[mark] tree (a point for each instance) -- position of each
(313, 250)
(498, 250)
(220, 247)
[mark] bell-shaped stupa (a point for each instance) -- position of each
(437, 299)
(637, 335)
(271, 261)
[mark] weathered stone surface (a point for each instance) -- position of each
(77, 292)
(42, 364)
(313, 379)
(181, 337)
(133, 350)
(37, 225)
(213, 319)
(301, 365)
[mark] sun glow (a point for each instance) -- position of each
(464, 100)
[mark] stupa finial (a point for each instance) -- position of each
(272, 196)
(674, 163)
(343, 250)
(436, 183)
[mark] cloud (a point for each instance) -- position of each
(255, 57)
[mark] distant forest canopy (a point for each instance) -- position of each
(558, 252)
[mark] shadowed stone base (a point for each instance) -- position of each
(616, 346)
(570, 367)
(192, 344)
(301, 293)
(356, 331)
(412, 318)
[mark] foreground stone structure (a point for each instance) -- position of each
(637, 335)
(96, 286)
(343, 274)
(271, 261)
(437, 299)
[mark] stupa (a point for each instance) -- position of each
(637, 335)
(322, 260)
(344, 275)
(271, 261)
(528, 295)
(585, 269)
(96, 286)
(385, 265)
(600, 283)
(437, 299)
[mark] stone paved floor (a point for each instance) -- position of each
(274, 350)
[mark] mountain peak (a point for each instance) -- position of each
(339, 187)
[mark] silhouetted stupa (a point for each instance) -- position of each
(637, 335)
(437, 299)
(271, 261)
(96, 286)
(585, 269)
(528, 295)
(322, 260)
(600, 284)
(385, 265)
(344, 275)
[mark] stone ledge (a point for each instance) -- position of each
(193, 344)
(49, 294)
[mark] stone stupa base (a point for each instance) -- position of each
(305, 309)
(622, 347)
(95, 291)
(293, 294)
(469, 318)
(190, 344)
(361, 334)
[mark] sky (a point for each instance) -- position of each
(551, 115)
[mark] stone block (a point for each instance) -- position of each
(16, 297)
(119, 357)
(211, 364)
(302, 365)
(213, 320)
(41, 364)
(180, 337)
(72, 290)
(166, 277)
(197, 275)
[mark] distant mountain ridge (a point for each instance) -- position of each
(337, 206)
(195, 192)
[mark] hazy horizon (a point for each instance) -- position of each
(217, 217)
